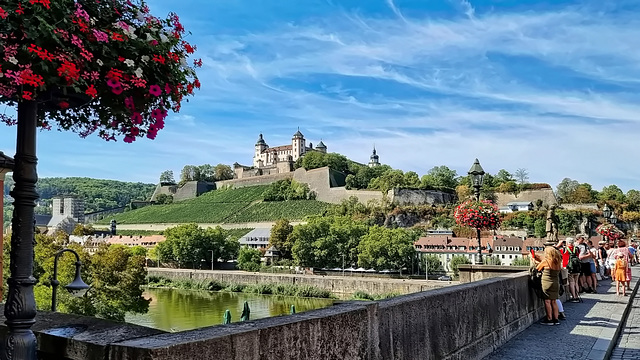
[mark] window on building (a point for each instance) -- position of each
(503, 256)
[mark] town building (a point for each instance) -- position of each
(516, 206)
(93, 242)
(66, 212)
(256, 238)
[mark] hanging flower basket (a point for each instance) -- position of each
(478, 214)
(95, 66)
(610, 231)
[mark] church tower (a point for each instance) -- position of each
(298, 147)
(260, 147)
(374, 159)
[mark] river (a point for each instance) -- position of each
(178, 310)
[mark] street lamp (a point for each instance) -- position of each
(211, 251)
(613, 218)
(606, 212)
(477, 175)
(77, 288)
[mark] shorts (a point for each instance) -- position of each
(585, 269)
(564, 275)
(593, 267)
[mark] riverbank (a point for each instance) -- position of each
(260, 289)
(339, 285)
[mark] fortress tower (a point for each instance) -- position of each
(374, 159)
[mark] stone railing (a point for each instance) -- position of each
(466, 321)
(470, 273)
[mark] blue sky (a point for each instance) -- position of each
(550, 86)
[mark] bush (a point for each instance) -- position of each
(361, 295)
(235, 287)
(286, 189)
(249, 259)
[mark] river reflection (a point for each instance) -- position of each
(178, 310)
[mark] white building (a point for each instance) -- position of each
(516, 206)
(256, 238)
(265, 156)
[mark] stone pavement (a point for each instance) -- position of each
(589, 332)
(628, 345)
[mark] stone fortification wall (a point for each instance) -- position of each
(547, 196)
(420, 197)
(458, 322)
(579, 206)
(336, 284)
(254, 180)
(189, 190)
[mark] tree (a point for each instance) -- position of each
(582, 195)
(508, 187)
(249, 259)
(81, 230)
(188, 173)
(313, 160)
(164, 199)
(464, 192)
(223, 172)
(611, 192)
(440, 176)
(633, 200)
(566, 188)
(166, 177)
(503, 176)
(280, 237)
(456, 261)
(540, 228)
(522, 175)
(327, 241)
(206, 173)
(387, 181)
(521, 261)
(190, 244)
(411, 179)
(116, 275)
(434, 265)
(491, 260)
(336, 162)
(384, 248)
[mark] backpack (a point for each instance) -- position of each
(535, 281)
(573, 266)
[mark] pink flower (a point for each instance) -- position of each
(117, 89)
(113, 83)
(129, 139)
(155, 90)
(128, 103)
(167, 88)
(76, 41)
(100, 36)
(136, 118)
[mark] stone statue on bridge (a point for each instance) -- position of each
(552, 225)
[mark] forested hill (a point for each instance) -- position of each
(98, 194)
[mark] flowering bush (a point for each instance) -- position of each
(107, 66)
(610, 231)
(478, 214)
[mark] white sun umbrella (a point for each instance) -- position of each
(336, 269)
(370, 270)
(360, 269)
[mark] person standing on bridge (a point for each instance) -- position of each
(550, 266)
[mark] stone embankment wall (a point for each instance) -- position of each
(187, 191)
(420, 197)
(337, 284)
(466, 321)
(547, 196)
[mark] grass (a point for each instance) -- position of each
(264, 289)
(361, 295)
(271, 211)
(222, 206)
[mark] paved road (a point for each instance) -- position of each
(586, 334)
(628, 345)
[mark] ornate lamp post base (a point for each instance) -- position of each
(20, 308)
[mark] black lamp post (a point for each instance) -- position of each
(477, 176)
(77, 287)
(613, 219)
(606, 212)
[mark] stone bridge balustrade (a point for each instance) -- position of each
(466, 321)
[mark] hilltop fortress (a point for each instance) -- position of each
(271, 164)
(280, 159)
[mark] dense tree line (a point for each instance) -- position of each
(114, 272)
(206, 172)
(188, 245)
(98, 194)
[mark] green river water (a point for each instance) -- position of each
(178, 310)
